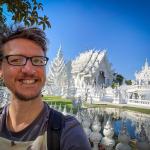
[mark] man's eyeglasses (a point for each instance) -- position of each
(20, 60)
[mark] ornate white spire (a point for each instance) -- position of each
(57, 76)
(146, 65)
(59, 53)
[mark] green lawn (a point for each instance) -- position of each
(141, 110)
(58, 100)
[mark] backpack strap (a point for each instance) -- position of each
(1, 109)
(54, 129)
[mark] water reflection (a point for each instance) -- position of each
(114, 128)
(130, 128)
(125, 126)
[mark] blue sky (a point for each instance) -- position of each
(120, 26)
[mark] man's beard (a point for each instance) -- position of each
(22, 97)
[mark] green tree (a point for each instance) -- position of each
(117, 80)
(23, 11)
(114, 85)
(128, 82)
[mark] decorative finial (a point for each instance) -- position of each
(59, 53)
(146, 64)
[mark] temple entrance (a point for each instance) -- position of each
(101, 78)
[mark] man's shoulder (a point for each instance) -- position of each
(72, 125)
(70, 131)
(73, 135)
(71, 121)
(66, 121)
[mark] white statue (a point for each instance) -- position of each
(107, 141)
(96, 136)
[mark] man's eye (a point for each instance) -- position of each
(38, 61)
(15, 60)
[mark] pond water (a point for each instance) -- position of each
(137, 124)
(130, 128)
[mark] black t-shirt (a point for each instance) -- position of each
(34, 137)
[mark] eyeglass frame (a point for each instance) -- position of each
(26, 59)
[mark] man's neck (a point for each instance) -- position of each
(22, 113)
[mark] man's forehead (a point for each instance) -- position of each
(22, 46)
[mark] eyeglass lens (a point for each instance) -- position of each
(20, 60)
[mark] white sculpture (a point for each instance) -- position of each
(64, 110)
(60, 108)
(107, 141)
(95, 136)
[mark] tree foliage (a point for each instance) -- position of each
(128, 82)
(118, 80)
(23, 11)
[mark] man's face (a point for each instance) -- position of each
(25, 82)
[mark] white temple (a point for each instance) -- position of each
(89, 77)
(90, 70)
(139, 92)
(143, 76)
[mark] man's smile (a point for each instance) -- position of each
(28, 81)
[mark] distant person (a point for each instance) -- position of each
(28, 123)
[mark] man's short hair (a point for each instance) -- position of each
(31, 33)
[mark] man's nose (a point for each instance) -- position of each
(28, 67)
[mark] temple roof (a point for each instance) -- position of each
(87, 60)
(144, 74)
